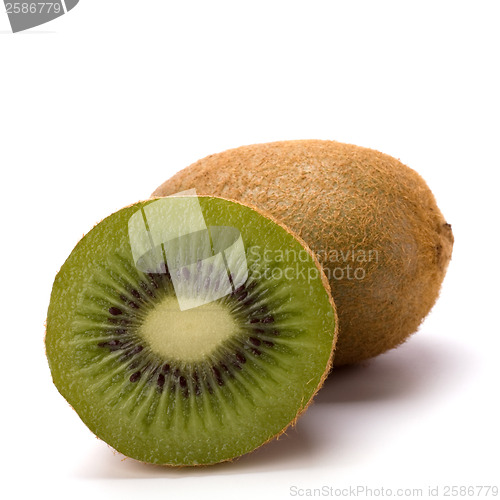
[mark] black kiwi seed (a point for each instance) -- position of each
(166, 273)
(135, 376)
(146, 288)
(228, 370)
(166, 368)
(254, 341)
(130, 303)
(196, 383)
(218, 376)
(153, 281)
(182, 381)
(112, 345)
(137, 349)
(241, 359)
(249, 302)
(160, 380)
(115, 311)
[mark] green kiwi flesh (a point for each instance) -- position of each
(171, 384)
(372, 222)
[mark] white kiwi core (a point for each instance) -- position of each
(188, 335)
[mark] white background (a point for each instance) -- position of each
(102, 105)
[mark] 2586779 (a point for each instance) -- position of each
(33, 7)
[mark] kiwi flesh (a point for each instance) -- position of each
(185, 337)
(372, 222)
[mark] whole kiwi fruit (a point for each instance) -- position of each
(373, 223)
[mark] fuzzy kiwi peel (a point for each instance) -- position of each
(171, 382)
(359, 210)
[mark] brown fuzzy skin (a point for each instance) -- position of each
(341, 197)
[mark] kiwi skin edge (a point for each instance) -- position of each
(328, 366)
(336, 195)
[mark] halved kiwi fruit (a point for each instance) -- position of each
(189, 330)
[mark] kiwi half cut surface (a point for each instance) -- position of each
(189, 330)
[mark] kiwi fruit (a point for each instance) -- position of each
(372, 222)
(189, 330)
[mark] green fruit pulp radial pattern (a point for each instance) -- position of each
(189, 347)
